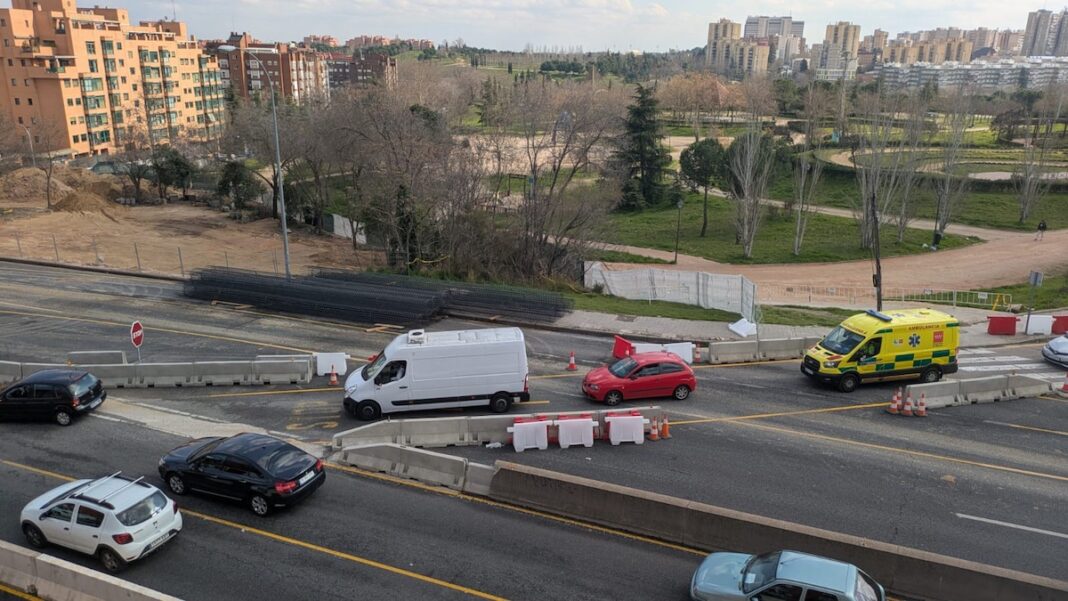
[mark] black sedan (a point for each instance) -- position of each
(259, 470)
(53, 394)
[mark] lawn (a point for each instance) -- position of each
(771, 314)
(827, 239)
(615, 256)
(1052, 294)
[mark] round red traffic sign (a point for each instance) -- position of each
(137, 334)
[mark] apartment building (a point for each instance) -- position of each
(1034, 74)
(765, 27)
(299, 73)
(84, 81)
(1046, 34)
(729, 54)
(935, 52)
(373, 69)
(321, 40)
(838, 55)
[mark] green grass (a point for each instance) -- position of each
(791, 315)
(615, 256)
(827, 239)
(1052, 294)
(771, 314)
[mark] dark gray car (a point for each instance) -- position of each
(52, 394)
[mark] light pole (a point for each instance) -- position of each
(29, 138)
(277, 150)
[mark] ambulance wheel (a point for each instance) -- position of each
(500, 402)
(931, 375)
(848, 382)
(368, 410)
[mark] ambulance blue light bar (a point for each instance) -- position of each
(879, 316)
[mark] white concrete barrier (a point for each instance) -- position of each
(96, 357)
(325, 361)
(18, 567)
(291, 370)
(936, 394)
(733, 352)
(1022, 387)
(10, 371)
(781, 348)
(407, 462)
(984, 390)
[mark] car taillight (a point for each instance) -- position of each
(319, 465)
(526, 380)
(284, 487)
(175, 504)
(75, 402)
(122, 539)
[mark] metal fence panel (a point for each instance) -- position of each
(733, 293)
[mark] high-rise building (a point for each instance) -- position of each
(1046, 34)
(729, 54)
(1009, 42)
(982, 37)
(720, 31)
(765, 27)
(374, 68)
(298, 72)
(838, 53)
(84, 81)
(934, 52)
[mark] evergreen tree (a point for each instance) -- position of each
(704, 164)
(641, 154)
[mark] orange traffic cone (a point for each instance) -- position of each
(895, 403)
(921, 409)
(665, 428)
(696, 354)
(571, 363)
(1063, 390)
(654, 431)
(907, 411)
(333, 376)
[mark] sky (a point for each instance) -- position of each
(593, 25)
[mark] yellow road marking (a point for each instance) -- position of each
(572, 375)
(743, 364)
(904, 451)
(270, 392)
(16, 592)
(331, 324)
(497, 504)
(1052, 398)
(736, 418)
(158, 329)
(303, 544)
(525, 403)
(10, 304)
(1048, 431)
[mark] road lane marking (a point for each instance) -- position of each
(17, 593)
(1022, 427)
(571, 375)
(735, 418)
(299, 543)
(903, 451)
(273, 392)
(1011, 525)
(1052, 398)
(10, 304)
(525, 403)
(158, 329)
(745, 363)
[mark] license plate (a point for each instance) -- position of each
(806, 370)
(306, 477)
(158, 542)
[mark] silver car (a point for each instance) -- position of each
(781, 576)
(1056, 351)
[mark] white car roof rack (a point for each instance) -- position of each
(98, 483)
(120, 489)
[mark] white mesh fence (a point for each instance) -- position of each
(732, 293)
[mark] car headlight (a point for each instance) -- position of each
(162, 462)
(831, 363)
(594, 387)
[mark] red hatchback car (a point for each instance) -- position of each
(640, 376)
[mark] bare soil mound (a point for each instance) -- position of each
(29, 186)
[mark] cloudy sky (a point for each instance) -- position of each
(591, 24)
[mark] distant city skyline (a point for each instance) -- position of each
(594, 25)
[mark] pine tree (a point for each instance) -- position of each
(641, 154)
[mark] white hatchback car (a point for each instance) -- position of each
(116, 518)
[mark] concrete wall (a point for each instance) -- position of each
(904, 571)
(452, 472)
(267, 370)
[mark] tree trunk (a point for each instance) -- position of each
(704, 217)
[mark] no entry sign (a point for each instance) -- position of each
(137, 334)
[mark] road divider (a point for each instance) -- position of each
(906, 572)
(767, 349)
(425, 466)
(262, 370)
(951, 393)
(55, 579)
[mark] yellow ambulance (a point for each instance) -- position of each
(896, 344)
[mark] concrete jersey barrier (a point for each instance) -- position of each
(262, 370)
(948, 393)
(418, 464)
(936, 394)
(743, 351)
(10, 371)
(906, 572)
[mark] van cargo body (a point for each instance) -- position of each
(895, 344)
(436, 370)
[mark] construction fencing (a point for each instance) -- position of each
(733, 293)
(845, 296)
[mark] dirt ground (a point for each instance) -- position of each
(87, 229)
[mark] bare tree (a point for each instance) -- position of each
(950, 186)
(1031, 176)
(808, 168)
(250, 133)
(751, 160)
(136, 154)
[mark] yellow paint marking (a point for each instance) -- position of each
(17, 593)
(10, 304)
(158, 329)
(743, 364)
(1046, 430)
(898, 451)
(524, 404)
(555, 376)
(1052, 398)
(272, 392)
(736, 418)
(330, 324)
(523, 510)
(303, 544)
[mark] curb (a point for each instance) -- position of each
(89, 268)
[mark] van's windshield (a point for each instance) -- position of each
(371, 369)
(841, 341)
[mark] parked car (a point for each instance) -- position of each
(640, 376)
(780, 576)
(55, 394)
(1056, 351)
(259, 470)
(116, 518)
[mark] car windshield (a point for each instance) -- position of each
(623, 367)
(371, 369)
(282, 460)
(865, 590)
(841, 341)
(760, 571)
(83, 385)
(207, 448)
(143, 510)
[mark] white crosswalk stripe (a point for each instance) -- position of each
(975, 351)
(1007, 358)
(983, 361)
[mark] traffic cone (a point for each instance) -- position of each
(665, 428)
(696, 354)
(907, 410)
(921, 409)
(654, 430)
(333, 376)
(571, 363)
(1063, 390)
(895, 403)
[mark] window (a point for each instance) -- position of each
(780, 592)
(393, 372)
(45, 392)
(90, 47)
(70, 102)
(61, 512)
(88, 516)
(29, 101)
(20, 120)
(14, 82)
(870, 351)
(143, 510)
(9, 63)
(83, 137)
(66, 83)
(761, 571)
(240, 468)
(841, 341)
(74, 139)
(107, 47)
(93, 67)
(17, 102)
(670, 368)
(649, 370)
(18, 394)
(814, 595)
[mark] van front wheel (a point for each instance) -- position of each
(500, 402)
(848, 382)
(368, 410)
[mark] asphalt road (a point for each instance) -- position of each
(986, 483)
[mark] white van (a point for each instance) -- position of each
(436, 370)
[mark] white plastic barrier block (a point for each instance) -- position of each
(1040, 324)
(626, 428)
(575, 431)
(743, 327)
(530, 435)
(683, 349)
(325, 361)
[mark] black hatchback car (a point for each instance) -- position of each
(258, 470)
(55, 394)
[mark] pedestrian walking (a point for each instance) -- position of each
(1041, 230)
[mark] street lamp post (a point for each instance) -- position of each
(277, 151)
(29, 138)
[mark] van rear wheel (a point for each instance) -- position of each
(931, 375)
(368, 410)
(500, 402)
